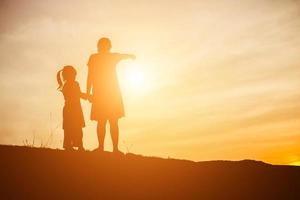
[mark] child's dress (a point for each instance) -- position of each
(73, 120)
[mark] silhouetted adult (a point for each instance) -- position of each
(106, 99)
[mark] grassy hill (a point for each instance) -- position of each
(35, 173)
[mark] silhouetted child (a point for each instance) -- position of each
(73, 120)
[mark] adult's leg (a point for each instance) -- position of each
(101, 133)
(114, 133)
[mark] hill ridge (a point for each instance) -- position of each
(42, 173)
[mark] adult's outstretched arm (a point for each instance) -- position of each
(126, 56)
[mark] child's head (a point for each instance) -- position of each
(104, 45)
(68, 73)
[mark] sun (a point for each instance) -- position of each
(135, 79)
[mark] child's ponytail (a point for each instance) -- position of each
(59, 81)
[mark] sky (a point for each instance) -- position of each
(212, 80)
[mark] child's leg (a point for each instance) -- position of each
(67, 139)
(78, 134)
(101, 133)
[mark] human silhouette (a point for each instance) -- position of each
(73, 120)
(106, 98)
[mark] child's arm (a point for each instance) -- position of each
(82, 95)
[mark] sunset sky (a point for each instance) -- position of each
(215, 79)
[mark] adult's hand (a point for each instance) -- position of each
(133, 57)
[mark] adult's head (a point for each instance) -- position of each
(104, 45)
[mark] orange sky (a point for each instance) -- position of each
(219, 79)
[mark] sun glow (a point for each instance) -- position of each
(295, 163)
(135, 78)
